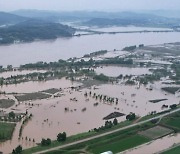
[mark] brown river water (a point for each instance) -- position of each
(64, 48)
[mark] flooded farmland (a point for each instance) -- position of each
(50, 118)
(115, 71)
(68, 109)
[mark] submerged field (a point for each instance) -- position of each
(6, 131)
(73, 96)
(6, 103)
(80, 108)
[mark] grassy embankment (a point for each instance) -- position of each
(174, 150)
(123, 140)
(126, 137)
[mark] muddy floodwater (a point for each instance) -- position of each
(64, 48)
(128, 29)
(115, 71)
(34, 86)
(75, 120)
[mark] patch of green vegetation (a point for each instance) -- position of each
(176, 68)
(175, 150)
(72, 63)
(148, 117)
(56, 143)
(101, 77)
(130, 48)
(96, 53)
(6, 130)
(119, 145)
(67, 152)
(130, 82)
(172, 121)
(116, 60)
(118, 137)
(34, 29)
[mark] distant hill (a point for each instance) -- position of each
(96, 18)
(76, 14)
(135, 19)
(164, 13)
(8, 18)
(53, 16)
(79, 14)
(31, 30)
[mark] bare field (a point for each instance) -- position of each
(156, 132)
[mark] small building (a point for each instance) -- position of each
(107, 152)
(177, 93)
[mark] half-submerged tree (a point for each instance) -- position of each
(46, 142)
(61, 137)
(131, 116)
(115, 121)
(18, 150)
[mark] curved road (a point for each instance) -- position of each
(107, 133)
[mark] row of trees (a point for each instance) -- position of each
(107, 125)
(61, 137)
(102, 97)
(71, 63)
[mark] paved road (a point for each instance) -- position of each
(104, 134)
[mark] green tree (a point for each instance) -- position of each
(108, 124)
(131, 116)
(61, 137)
(173, 106)
(115, 121)
(45, 142)
(18, 150)
(12, 114)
